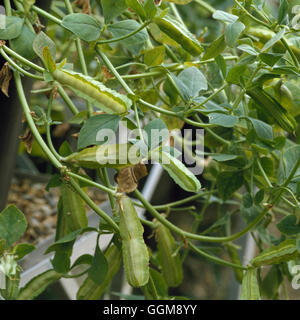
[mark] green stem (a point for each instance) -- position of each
(205, 6)
(48, 131)
(7, 7)
(250, 15)
(93, 206)
(31, 123)
(23, 60)
(215, 259)
(17, 67)
(144, 25)
(261, 169)
(67, 99)
(46, 14)
(153, 289)
(194, 236)
(293, 56)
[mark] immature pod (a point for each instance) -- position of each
(87, 88)
(234, 256)
(38, 284)
(170, 261)
(178, 171)
(250, 288)
(89, 290)
(273, 108)
(73, 209)
(180, 34)
(115, 156)
(134, 249)
(285, 251)
(94, 91)
(11, 290)
(264, 35)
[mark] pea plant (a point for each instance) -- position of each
(144, 65)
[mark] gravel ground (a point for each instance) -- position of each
(40, 207)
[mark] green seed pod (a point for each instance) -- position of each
(180, 34)
(38, 284)
(178, 171)
(234, 256)
(264, 35)
(273, 108)
(74, 213)
(11, 290)
(250, 288)
(169, 260)
(89, 290)
(87, 88)
(285, 251)
(134, 249)
(115, 156)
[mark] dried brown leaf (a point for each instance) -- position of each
(128, 178)
(5, 77)
(27, 139)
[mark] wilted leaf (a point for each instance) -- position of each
(5, 77)
(27, 138)
(129, 177)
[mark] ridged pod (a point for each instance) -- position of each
(285, 251)
(134, 249)
(177, 32)
(38, 284)
(273, 108)
(250, 288)
(115, 156)
(170, 263)
(89, 290)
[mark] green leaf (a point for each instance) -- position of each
(247, 200)
(89, 131)
(68, 238)
(136, 6)
(156, 132)
(112, 9)
(150, 8)
(283, 12)
(13, 28)
(134, 43)
(224, 120)
(228, 182)
(270, 58)
(233, 32)
(235, 73)
(224, 16)
(85, 259)
(27, 5)
(223, 157)
(289, 225)
(259, 196)
(250, 288)
(215, 48)
(83, 26)
(247, 48)
(271, 282)
(263, 130)
(155, 56)
(23, 44)
(22, 249)
(41, 41)
(278, 36)
(190, 82)
(12, 225)
(55, 181)
(99, 267)
(79, 117)
(65, 149)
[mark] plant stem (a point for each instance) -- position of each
(67, 99)
(205, 6)
(194, 236)
(17, 67)
(23, 60)
(144, 25)
(214, 258)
